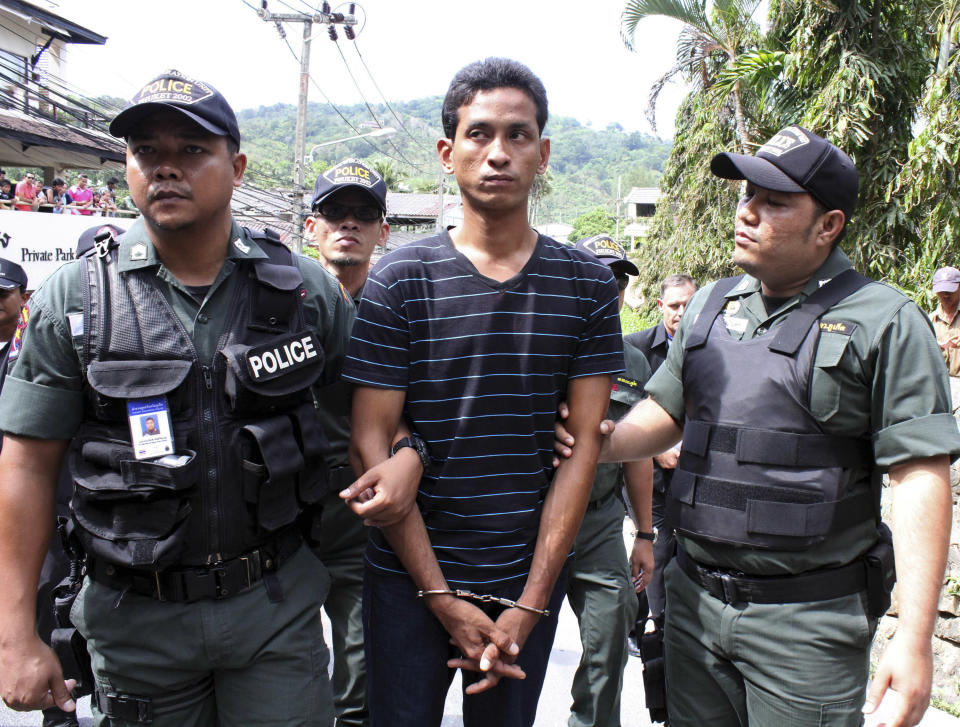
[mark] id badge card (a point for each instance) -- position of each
(150, 429)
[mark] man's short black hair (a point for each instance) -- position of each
(58, 182)
(113, 180)
(487, 75)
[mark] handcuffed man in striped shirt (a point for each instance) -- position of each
(471, 338)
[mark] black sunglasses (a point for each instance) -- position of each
(334, 211)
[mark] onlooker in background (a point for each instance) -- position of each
(82, 195)
(59, 197)
(946, 322)
(95, 204)
(13, 289)
(675, 292)
(601, 584)
(25, 195)
(108, 205)
(3, 174)
(111, 187)
(6, 194)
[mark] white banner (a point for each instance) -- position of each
(40, 242)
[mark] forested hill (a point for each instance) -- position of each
(584, 162)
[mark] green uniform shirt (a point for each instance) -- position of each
(335, 403)
(43, 393)
(878, 373)
(626, 390)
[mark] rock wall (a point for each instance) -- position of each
(946, 635)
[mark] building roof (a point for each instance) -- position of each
(53, 25)
(644, 195)
(30, 141)
(405, 208)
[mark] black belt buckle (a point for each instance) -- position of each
(221, 588)
(731, 593)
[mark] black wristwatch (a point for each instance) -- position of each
(417, 445)
(652, 537)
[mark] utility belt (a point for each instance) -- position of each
(217, 581)
(873, 573)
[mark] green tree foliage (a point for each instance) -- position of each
(595, 222)
(709, 42)
(585, 164)
(880, 80)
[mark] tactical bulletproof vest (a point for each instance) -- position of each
(245, 427)
(756, 468)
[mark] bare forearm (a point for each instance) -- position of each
(638, 482)
(566, 500)
(646, 430)
(921, 535)
(28, 470)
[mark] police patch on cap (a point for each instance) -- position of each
(784, 141)
(174, 87)
(350, 173)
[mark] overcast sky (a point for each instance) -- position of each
(411, 47)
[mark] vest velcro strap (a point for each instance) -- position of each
(734, 587)
(785, 449)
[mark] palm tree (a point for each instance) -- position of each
(391, 173)
(706, 46)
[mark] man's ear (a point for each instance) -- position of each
(445, 152)
(831, 224)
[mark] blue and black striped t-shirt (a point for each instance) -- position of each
(484, 365)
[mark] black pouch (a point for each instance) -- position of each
(273, 376)
(650, 646)
(271, 459)
(131, 511)
(881, 572)
(71, 649)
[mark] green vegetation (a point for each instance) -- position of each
(878, 79)
(585, 164)
(595, 222)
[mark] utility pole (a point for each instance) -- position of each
(324, 17)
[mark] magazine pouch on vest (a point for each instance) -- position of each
(756, 468)
(248, 441)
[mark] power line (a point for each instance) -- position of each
(387, 103)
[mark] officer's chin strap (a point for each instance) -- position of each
(125, 707)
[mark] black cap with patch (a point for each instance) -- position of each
(12, 275)
(198, 101)
(609, 251)
(350, 173)
(797, 160)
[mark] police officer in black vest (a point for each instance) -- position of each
(798, 383)
(200, 605)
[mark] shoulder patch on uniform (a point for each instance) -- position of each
(838, 327)
(138, 251)
(16, 343)
(629, 383)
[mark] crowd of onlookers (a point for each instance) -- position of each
(30, 194)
